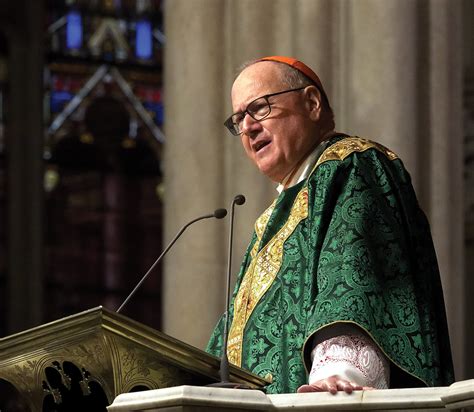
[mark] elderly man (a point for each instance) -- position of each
(339, 289)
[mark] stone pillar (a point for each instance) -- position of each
(194, 168)
(468, 65)
(446, 168)
(25, 167)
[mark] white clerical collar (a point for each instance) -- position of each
(304, 169)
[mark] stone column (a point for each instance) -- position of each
(25, 167)
(446, 169)
(468, 92)
(194, 168)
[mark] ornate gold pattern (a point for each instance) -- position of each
(262, 221)
(261, 272)
(26, 371)
(140, 367)
(260, 226)
(344, 147)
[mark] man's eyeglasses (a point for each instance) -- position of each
(257, 109)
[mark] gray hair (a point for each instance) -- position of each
(293, 78)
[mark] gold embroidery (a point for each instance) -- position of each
(343, 148)
(260, 226)
(262, 221)
(261, 273)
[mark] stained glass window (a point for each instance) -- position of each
(104, 114)
(143, 45)
(74, 30)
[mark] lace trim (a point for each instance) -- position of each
(353, 357)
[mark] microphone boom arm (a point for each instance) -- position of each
(218, 214)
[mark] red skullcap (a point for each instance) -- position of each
(298, 65)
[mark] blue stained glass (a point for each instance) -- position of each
(143, 39)
(74, 30)
(59, 99)
(157, 110)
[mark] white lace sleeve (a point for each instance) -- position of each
(354, 357)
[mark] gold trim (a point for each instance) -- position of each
(343, 148)
(261, 272)
(260, 226)
(262, 221)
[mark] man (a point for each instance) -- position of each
(339, 289)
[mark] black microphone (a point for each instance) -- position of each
(218, 214)
(224, 373)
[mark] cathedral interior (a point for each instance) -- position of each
(94, 177)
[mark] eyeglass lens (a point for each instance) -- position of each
(259, 109)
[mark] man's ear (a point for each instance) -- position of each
(313, 102)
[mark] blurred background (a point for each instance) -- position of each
(111, 139)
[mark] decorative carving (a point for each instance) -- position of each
(81, 363)
(69, 388)
(23, 374)
(142, 368)
(91, 353)
(54, 392)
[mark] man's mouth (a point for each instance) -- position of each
(260, 145)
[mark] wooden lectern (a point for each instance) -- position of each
(82, 362)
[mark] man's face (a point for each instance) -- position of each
(279, 142)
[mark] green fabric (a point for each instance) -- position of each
(364, 255)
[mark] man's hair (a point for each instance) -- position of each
(293, 78)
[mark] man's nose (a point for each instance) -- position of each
(250, 125)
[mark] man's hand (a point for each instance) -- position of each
(332, 384)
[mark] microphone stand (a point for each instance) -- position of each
(218, 214)
(224, 373)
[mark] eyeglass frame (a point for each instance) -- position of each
(229, 124)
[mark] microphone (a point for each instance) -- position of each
(224, 373)
(218, 214)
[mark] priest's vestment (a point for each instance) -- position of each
(348, 244)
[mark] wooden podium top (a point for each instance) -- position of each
(101, 354)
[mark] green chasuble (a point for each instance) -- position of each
(348, 244)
